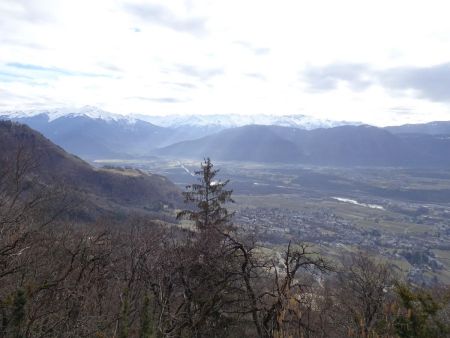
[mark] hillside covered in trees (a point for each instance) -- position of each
(91, 192)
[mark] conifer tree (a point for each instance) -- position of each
(123, 319)
(420, 318)
(18, 313)
(146, 330)
(209, 196)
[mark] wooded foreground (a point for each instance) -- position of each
(135, 278)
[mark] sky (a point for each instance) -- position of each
(378, 62)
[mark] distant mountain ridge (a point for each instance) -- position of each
(53, 114)
(430, 128)
(222, 121)
(213, 121)
(92, 133)
(339, 146)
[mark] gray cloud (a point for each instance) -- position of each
(22, 13)
(160, 15)
(199, 73)
(431, 83)
(328, 77)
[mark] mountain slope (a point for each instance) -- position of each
(340, 146)
(94, 134)
(356, 145)
(102, 189)
(248, 143)
(91, 133)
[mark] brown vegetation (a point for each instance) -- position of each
(139, 279)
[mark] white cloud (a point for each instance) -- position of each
(232, 56)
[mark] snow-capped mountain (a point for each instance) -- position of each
(213, 122)
(235, 120)
(93, 133)
(53, 114)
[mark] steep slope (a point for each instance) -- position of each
(103, 189)
(339, 146)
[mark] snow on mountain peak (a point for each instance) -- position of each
(97, 113)
(53, 114)
(235, 120)
(216, 121)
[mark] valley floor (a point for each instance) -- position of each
(401, 214)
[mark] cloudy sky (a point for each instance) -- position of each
(380, 62)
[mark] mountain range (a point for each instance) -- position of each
(339, 146)
(94, 134)
(220, 121)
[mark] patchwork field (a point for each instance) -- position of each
(400, 214)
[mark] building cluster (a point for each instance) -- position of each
(325, 229)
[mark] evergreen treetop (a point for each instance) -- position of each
(208, 196)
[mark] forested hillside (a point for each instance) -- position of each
(91, 191)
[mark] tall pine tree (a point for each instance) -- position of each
(146, 330)
(209, 196)
(124, 324)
